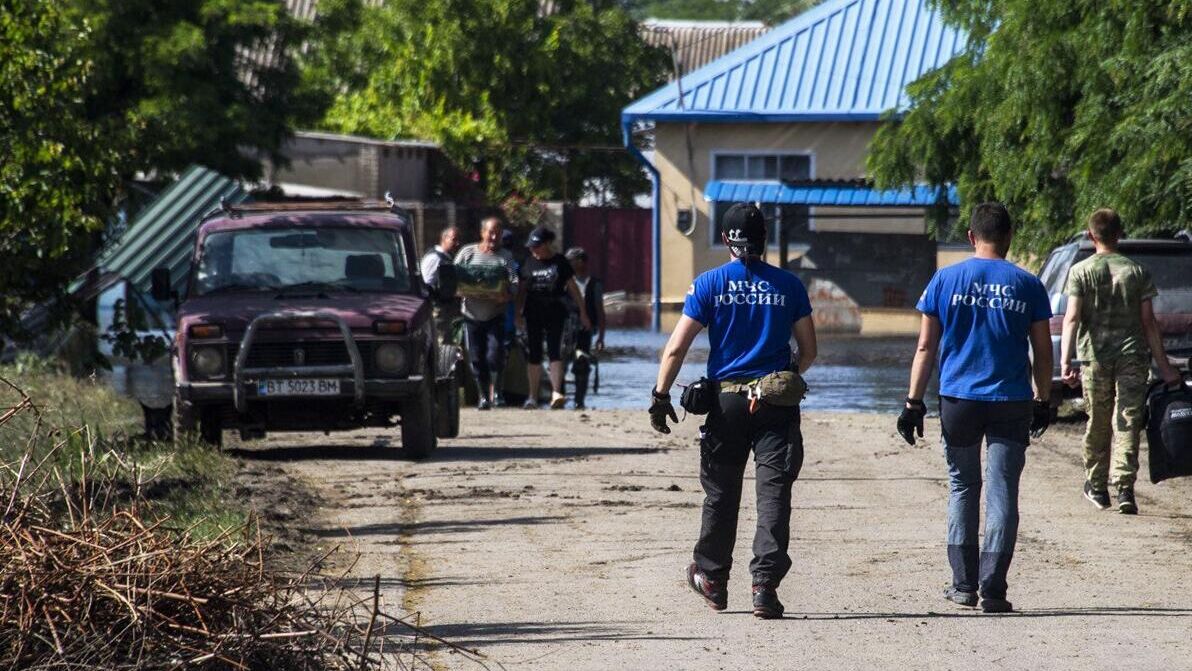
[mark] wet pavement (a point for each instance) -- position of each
(851, 374)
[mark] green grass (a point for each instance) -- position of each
(190, 484)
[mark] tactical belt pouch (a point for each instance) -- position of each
(699, 397)
(784, 389)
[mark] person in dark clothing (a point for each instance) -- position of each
(545, 278)
(980, 316)
(592, 290)
(751, 309)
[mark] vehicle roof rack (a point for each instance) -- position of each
(237, 210)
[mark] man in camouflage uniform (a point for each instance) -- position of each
(1112, 322)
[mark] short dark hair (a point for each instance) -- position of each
(991, 222)
(1106, 224)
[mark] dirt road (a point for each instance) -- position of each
(554, 540)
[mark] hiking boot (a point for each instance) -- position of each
(989, 605)
(1125, 501)
(961, 598)
(766, 605)
(1098, 497)
(714, 593)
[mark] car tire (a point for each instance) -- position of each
(158, 422)
(417, 424)
(447, 408)
(202, 423)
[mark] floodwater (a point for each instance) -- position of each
(851, 373)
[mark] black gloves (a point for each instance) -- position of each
(660, 409)
(1042, 418)
(911, 420)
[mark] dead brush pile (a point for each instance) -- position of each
(88, 581)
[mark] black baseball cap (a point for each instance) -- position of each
(539, 236)
(745, 227)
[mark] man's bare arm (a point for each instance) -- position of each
(804, 332)
(675, 351)
(1154, 339)
(1043, 363)
(1068, 342)
(925, 354)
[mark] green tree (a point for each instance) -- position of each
(215, 82)
(771, 12)
(95, 92)
(1056, 108)
(59, 167)
(531, 99)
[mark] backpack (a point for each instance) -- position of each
(1169, 431)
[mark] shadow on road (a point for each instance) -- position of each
(445, 453)
(1106, 611)
(474, 635)
(430, 527)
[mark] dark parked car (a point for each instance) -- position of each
(309, 318)
(1170, 264)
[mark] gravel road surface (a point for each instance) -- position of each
(557, 540)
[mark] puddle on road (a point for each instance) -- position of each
(851, 374)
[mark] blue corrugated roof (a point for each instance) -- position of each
(163, 233)
(843, 60)
(827, 195)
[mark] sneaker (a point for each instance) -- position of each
(530, 404)
(714, 593)
(484, 404)
(962, 598)
(580, 406)
(996, 606)
(557, 401)
(766, 605)
(1099, 497)
(1125, 501)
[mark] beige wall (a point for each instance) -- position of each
(838, 152)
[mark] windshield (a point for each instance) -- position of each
(1172, 275)
(324, 259)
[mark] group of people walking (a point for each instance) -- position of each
(483, 287)
(986, 322)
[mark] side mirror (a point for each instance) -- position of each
(160, 281)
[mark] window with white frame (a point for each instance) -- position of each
(763, 167)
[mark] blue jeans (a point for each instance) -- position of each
(1005, 427)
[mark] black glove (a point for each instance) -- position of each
(660, 409)
(911, 420)
(1042, 418)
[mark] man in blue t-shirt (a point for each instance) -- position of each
(750, 309)
(980, 316)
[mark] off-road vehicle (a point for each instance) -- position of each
(309, 317)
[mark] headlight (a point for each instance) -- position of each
(208, 361)
(391, 358)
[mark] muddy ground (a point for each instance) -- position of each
(557, 540)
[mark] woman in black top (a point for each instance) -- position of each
(546, 277)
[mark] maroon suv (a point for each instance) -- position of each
(309, 318)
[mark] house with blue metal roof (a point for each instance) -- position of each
(786, 121)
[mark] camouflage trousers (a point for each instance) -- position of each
(1115, 392)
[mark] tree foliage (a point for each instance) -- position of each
(96, 92)
(771, 12)
(1056, 108)
(59, 168)
(528, 98)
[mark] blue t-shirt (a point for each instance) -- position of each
(985, 308)
(749, 312)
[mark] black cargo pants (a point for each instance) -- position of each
(731, 432)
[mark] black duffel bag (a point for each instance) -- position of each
(1169, 430)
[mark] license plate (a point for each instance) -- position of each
(298, 387)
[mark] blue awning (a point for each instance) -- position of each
(825, 195)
